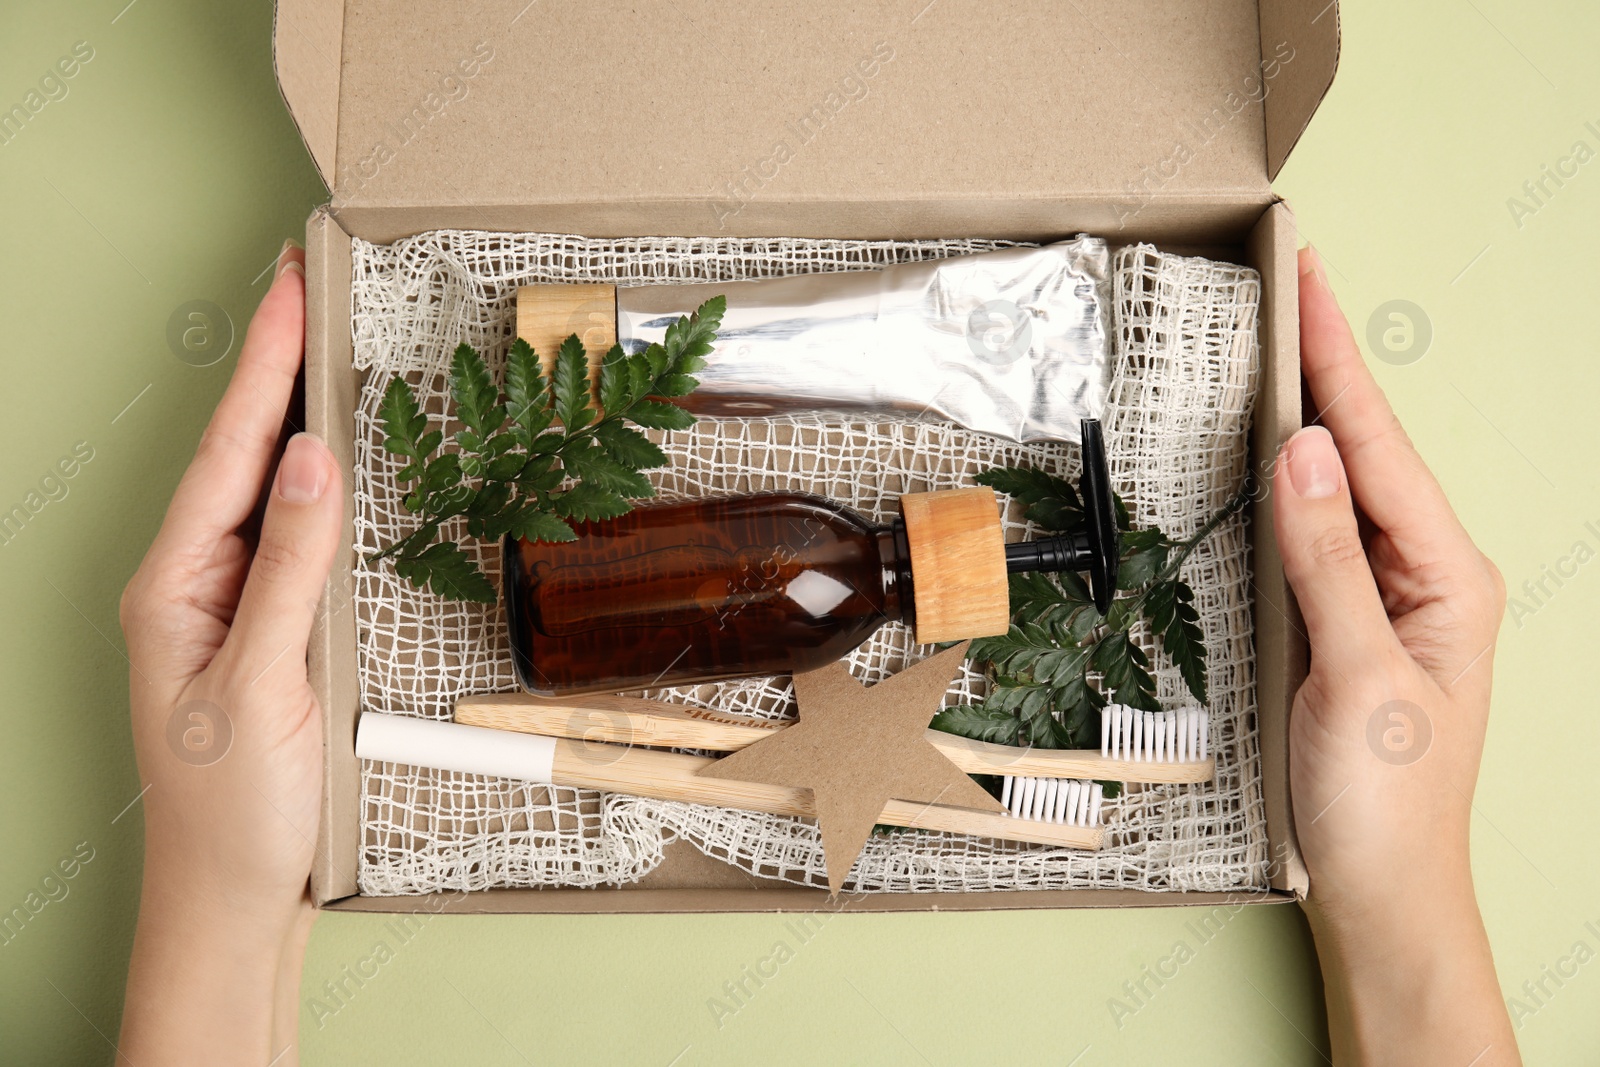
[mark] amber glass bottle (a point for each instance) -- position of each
(772, 583)
(704, 589)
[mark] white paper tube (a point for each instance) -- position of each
(449, 746)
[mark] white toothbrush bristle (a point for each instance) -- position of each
(1057, 800)
(1154, 736)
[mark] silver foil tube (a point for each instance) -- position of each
(1013, 343)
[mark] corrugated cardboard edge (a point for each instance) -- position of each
(307, 50)
(1282, 649)
(332, 387)
(1312, 30)
(1176, 217)
(785, 900)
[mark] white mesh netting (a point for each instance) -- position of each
(1183, 384)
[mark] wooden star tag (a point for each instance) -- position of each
(856, 749)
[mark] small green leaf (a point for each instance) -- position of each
(1124, 522)
(451, 501)
(527, 398)
(504, 468)
(657, 415)
(500, 444)
(586, 501)
(1169, 607)
(688, 341)
(979, 722)
(656, 358)
(1049, 501)
(474, 394)
(402, 420)
(443, 471)
(1144, 553)
(1047, 599)
(496, 526)
(571, 385)
(534, 524)
(614, 380)
(1125, 668)
(448, 572)
(640, 377)
(412, 543)
(594, 466)
(540, 475)
(629, 447)
(674, 385)
(485, 508)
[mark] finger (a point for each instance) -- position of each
(1389, 480)
(299, 535)
(235, 454)
(1323, 556)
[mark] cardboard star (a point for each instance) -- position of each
(856, 749)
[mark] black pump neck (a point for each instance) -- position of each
(1097, 548)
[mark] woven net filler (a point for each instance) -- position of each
(1183, 382)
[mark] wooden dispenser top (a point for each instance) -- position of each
(958, 564)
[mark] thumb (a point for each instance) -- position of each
(1323, 557)
(299, 535)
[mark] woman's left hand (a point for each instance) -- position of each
(226, 728)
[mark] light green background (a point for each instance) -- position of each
(171, 173)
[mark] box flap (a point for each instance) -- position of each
(497, 103)
(307, 38)
(1310, 31)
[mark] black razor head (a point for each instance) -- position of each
(1100, 511)
(1097, 548)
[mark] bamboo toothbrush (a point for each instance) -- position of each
(1155, 739)
(641, 771)
(1143, 747)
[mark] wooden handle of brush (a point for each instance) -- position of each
(648, 772)
(656, 724)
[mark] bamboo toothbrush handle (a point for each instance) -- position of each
(663, 775)
(649, 772)
(656, 724)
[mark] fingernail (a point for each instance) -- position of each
(1311, 263)
(1313, 461)
(303, 471)
(284, 262)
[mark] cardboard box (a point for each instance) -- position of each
(1034, 120)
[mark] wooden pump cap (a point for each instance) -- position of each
(958, 564)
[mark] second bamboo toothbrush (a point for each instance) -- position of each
(1167, 747)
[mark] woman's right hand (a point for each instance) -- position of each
(1387, 730)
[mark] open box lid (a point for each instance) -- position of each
(912, 118)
